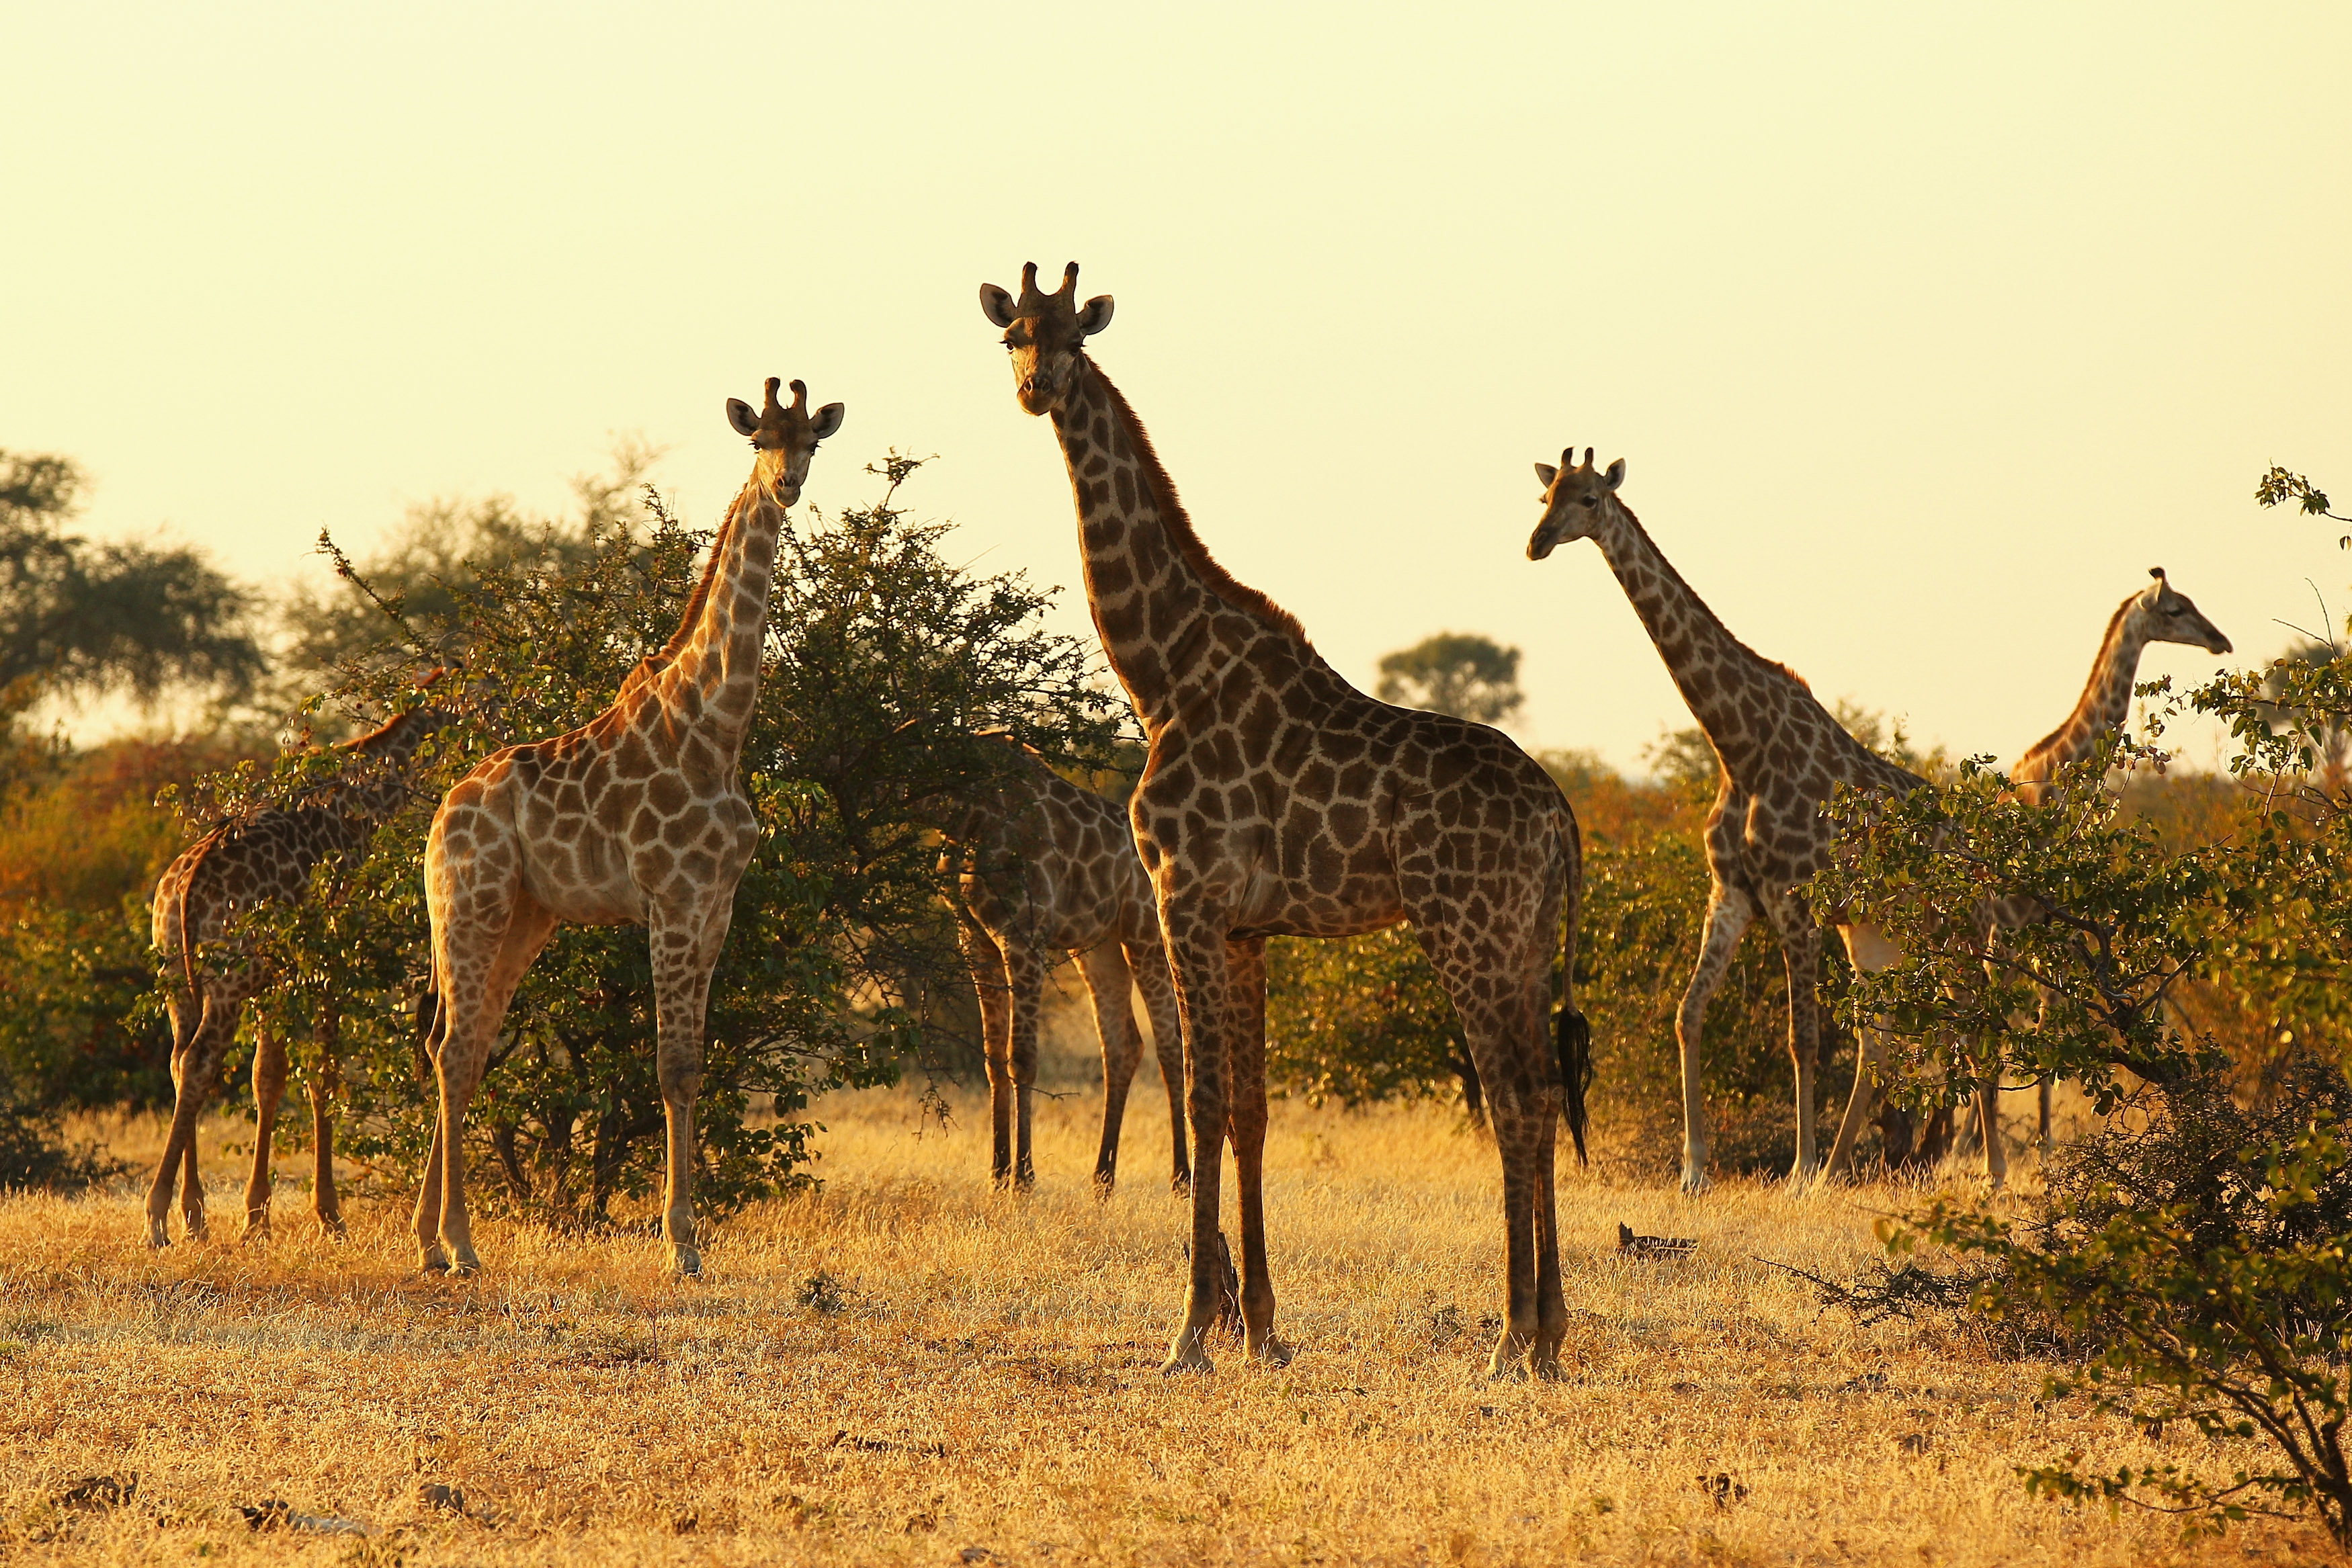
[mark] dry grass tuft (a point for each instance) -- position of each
(910, 1368)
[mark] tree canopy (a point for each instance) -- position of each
(122, 616)
(1462, 673)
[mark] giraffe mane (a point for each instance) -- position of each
(380, 733)
(667, 654)
(2050, 742)
(1667, 564)
(1179, 524)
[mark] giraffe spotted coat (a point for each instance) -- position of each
(1278, 799)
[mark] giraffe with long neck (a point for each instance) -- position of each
(1781, 755)
(1277, 800)
(266, 858)
(1046, 867)
(636, 818)
(2157, 613)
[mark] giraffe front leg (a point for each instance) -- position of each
(268, 1093)
(1196, 951)
(685, 952)
(1245, 1120)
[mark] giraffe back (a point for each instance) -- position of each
(1052, 865)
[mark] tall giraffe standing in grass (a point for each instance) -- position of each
(1279, 800)
(1045, 867)
(1781, 755)
(637, 818)
(267, 858)
(2157, 613)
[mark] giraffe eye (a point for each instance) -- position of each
(1587, 500)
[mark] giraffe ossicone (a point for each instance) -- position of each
(637, 817)
(1277, 800)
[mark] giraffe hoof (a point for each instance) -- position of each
(1273, 1352)
(1186, 1355)
(686, 1262)
(1182, 1185)
(257, 1228)
(331, 1224)
(1696, 1182)
(159, 1234)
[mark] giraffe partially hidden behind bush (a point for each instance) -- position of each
(636, 818)
(1279, 800)
(1046, 867)
(2157, 613)
(267, 858)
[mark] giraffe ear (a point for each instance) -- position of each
(1547, 473)
(996, 304)
(1094, 316)
(739, 415)
(1616, 475)
(827, 421)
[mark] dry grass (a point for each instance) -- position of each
(910, 1368)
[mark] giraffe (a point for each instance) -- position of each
(637, 817)
(2157, 613)
(1781, 755)
(267, 858)
(1277, 800)
(1044, 866)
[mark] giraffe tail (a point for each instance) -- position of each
(1572, 1033)
(429, 1020)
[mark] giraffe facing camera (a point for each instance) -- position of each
(638, 818)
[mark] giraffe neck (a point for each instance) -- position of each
(1719, 677)
(709, 672)
(2101, 708)
(1172, 619)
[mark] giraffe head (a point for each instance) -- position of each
(783, 435)
(2167, 615)
(1045, 334)
(1573, 496)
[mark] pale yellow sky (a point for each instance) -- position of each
(1923, 333)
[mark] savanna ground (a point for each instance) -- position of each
(908, 1367)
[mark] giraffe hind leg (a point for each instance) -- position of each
(268, 1093)
(1109, 985)
(1148, 962)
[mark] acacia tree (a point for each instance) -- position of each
(79, 614)
(1464, 674)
